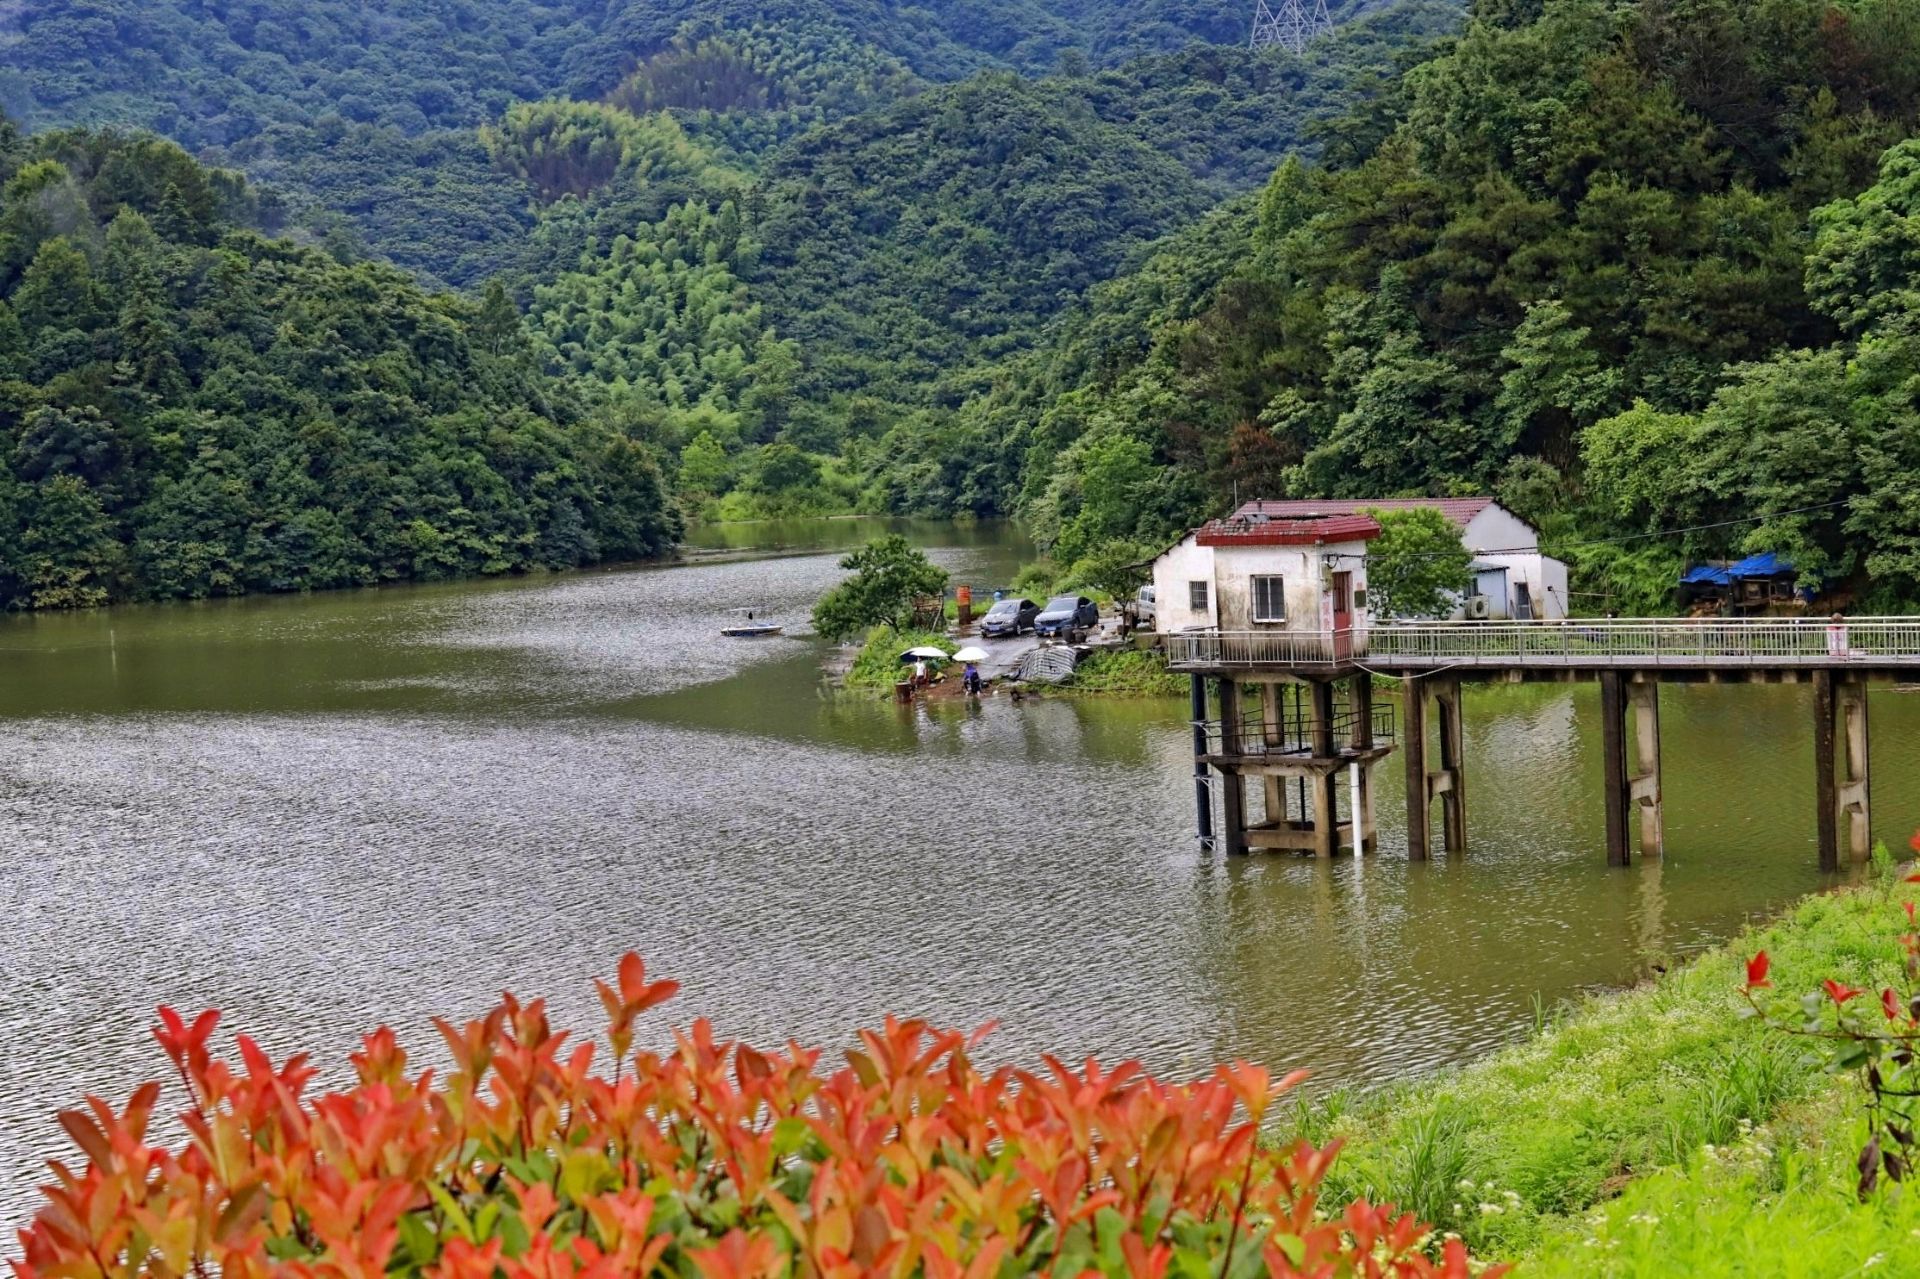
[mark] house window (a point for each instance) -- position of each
(1197, 596)
(1269, 599)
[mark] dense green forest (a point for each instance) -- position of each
(191, 408)
(1630, 264)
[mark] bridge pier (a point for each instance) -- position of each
(1448, 782)
(1297, 739)
(1842, 775)
(1366, 834)
(1631, 783)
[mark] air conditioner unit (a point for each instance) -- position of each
(1477, 608)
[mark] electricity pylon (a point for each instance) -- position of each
(1290, 24)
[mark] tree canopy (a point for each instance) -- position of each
(888, 575)
(189, 407)
(1418, 566)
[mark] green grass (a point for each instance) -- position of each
(1776, 1200)
(879, 666)
(1613, 1106)
(1128, 672)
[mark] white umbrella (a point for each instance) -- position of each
(972, 654)
(927, 651)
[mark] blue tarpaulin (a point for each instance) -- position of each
(1765, 565)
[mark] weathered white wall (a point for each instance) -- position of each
(1187, 562)
(1298, 566)
(1546, 579)
(1231, 570)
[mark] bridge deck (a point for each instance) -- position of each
(1714, 644)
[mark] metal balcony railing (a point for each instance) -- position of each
(1576, 642)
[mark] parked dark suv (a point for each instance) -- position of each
(1009, 617)
(1065, 613)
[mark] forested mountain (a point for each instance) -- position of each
(189, 407)
(1585, 206)
(364, 114)
(217, 72)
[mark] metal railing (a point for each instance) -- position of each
(1292, 734)
(1575, 642)
(1256, 648)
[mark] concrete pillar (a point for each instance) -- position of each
(1320, 718)
(1854, 813)
(1643, 697)
(1826, 793)
(1452, 781)
(1272, 708)
(1366, 836)
(1413, 743)
(1233, 787)
(1320, 806)
(1613, 768)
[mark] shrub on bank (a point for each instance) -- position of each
(714, 1160)
(1128, 672)
(878, 665)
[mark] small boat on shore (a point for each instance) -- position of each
(750, 626)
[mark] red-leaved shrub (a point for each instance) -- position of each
(714, 1160)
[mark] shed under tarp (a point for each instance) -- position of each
(1766, 564)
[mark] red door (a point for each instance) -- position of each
(1342, 616)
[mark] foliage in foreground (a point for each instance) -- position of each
(714, 1160)
(1874, 1039)
(1515, 1151)
(1821, 1188)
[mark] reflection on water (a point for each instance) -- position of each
(321, 814)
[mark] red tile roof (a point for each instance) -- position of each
(1461, 510)
(1260, 530)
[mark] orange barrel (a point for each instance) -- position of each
(963, 596)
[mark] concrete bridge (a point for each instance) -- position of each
(1317, 721)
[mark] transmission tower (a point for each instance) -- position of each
(1290, 23)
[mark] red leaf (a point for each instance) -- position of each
(1914, 843)
(1840, 992)
(1757, 971)
(1889, 1003)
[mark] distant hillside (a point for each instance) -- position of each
(189, 407)
(219, 74)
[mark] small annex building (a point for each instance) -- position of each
(1252, 572)
(1512, 579)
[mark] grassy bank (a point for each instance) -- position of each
(878, 667)
(1651, 1126)
(1128, 672)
